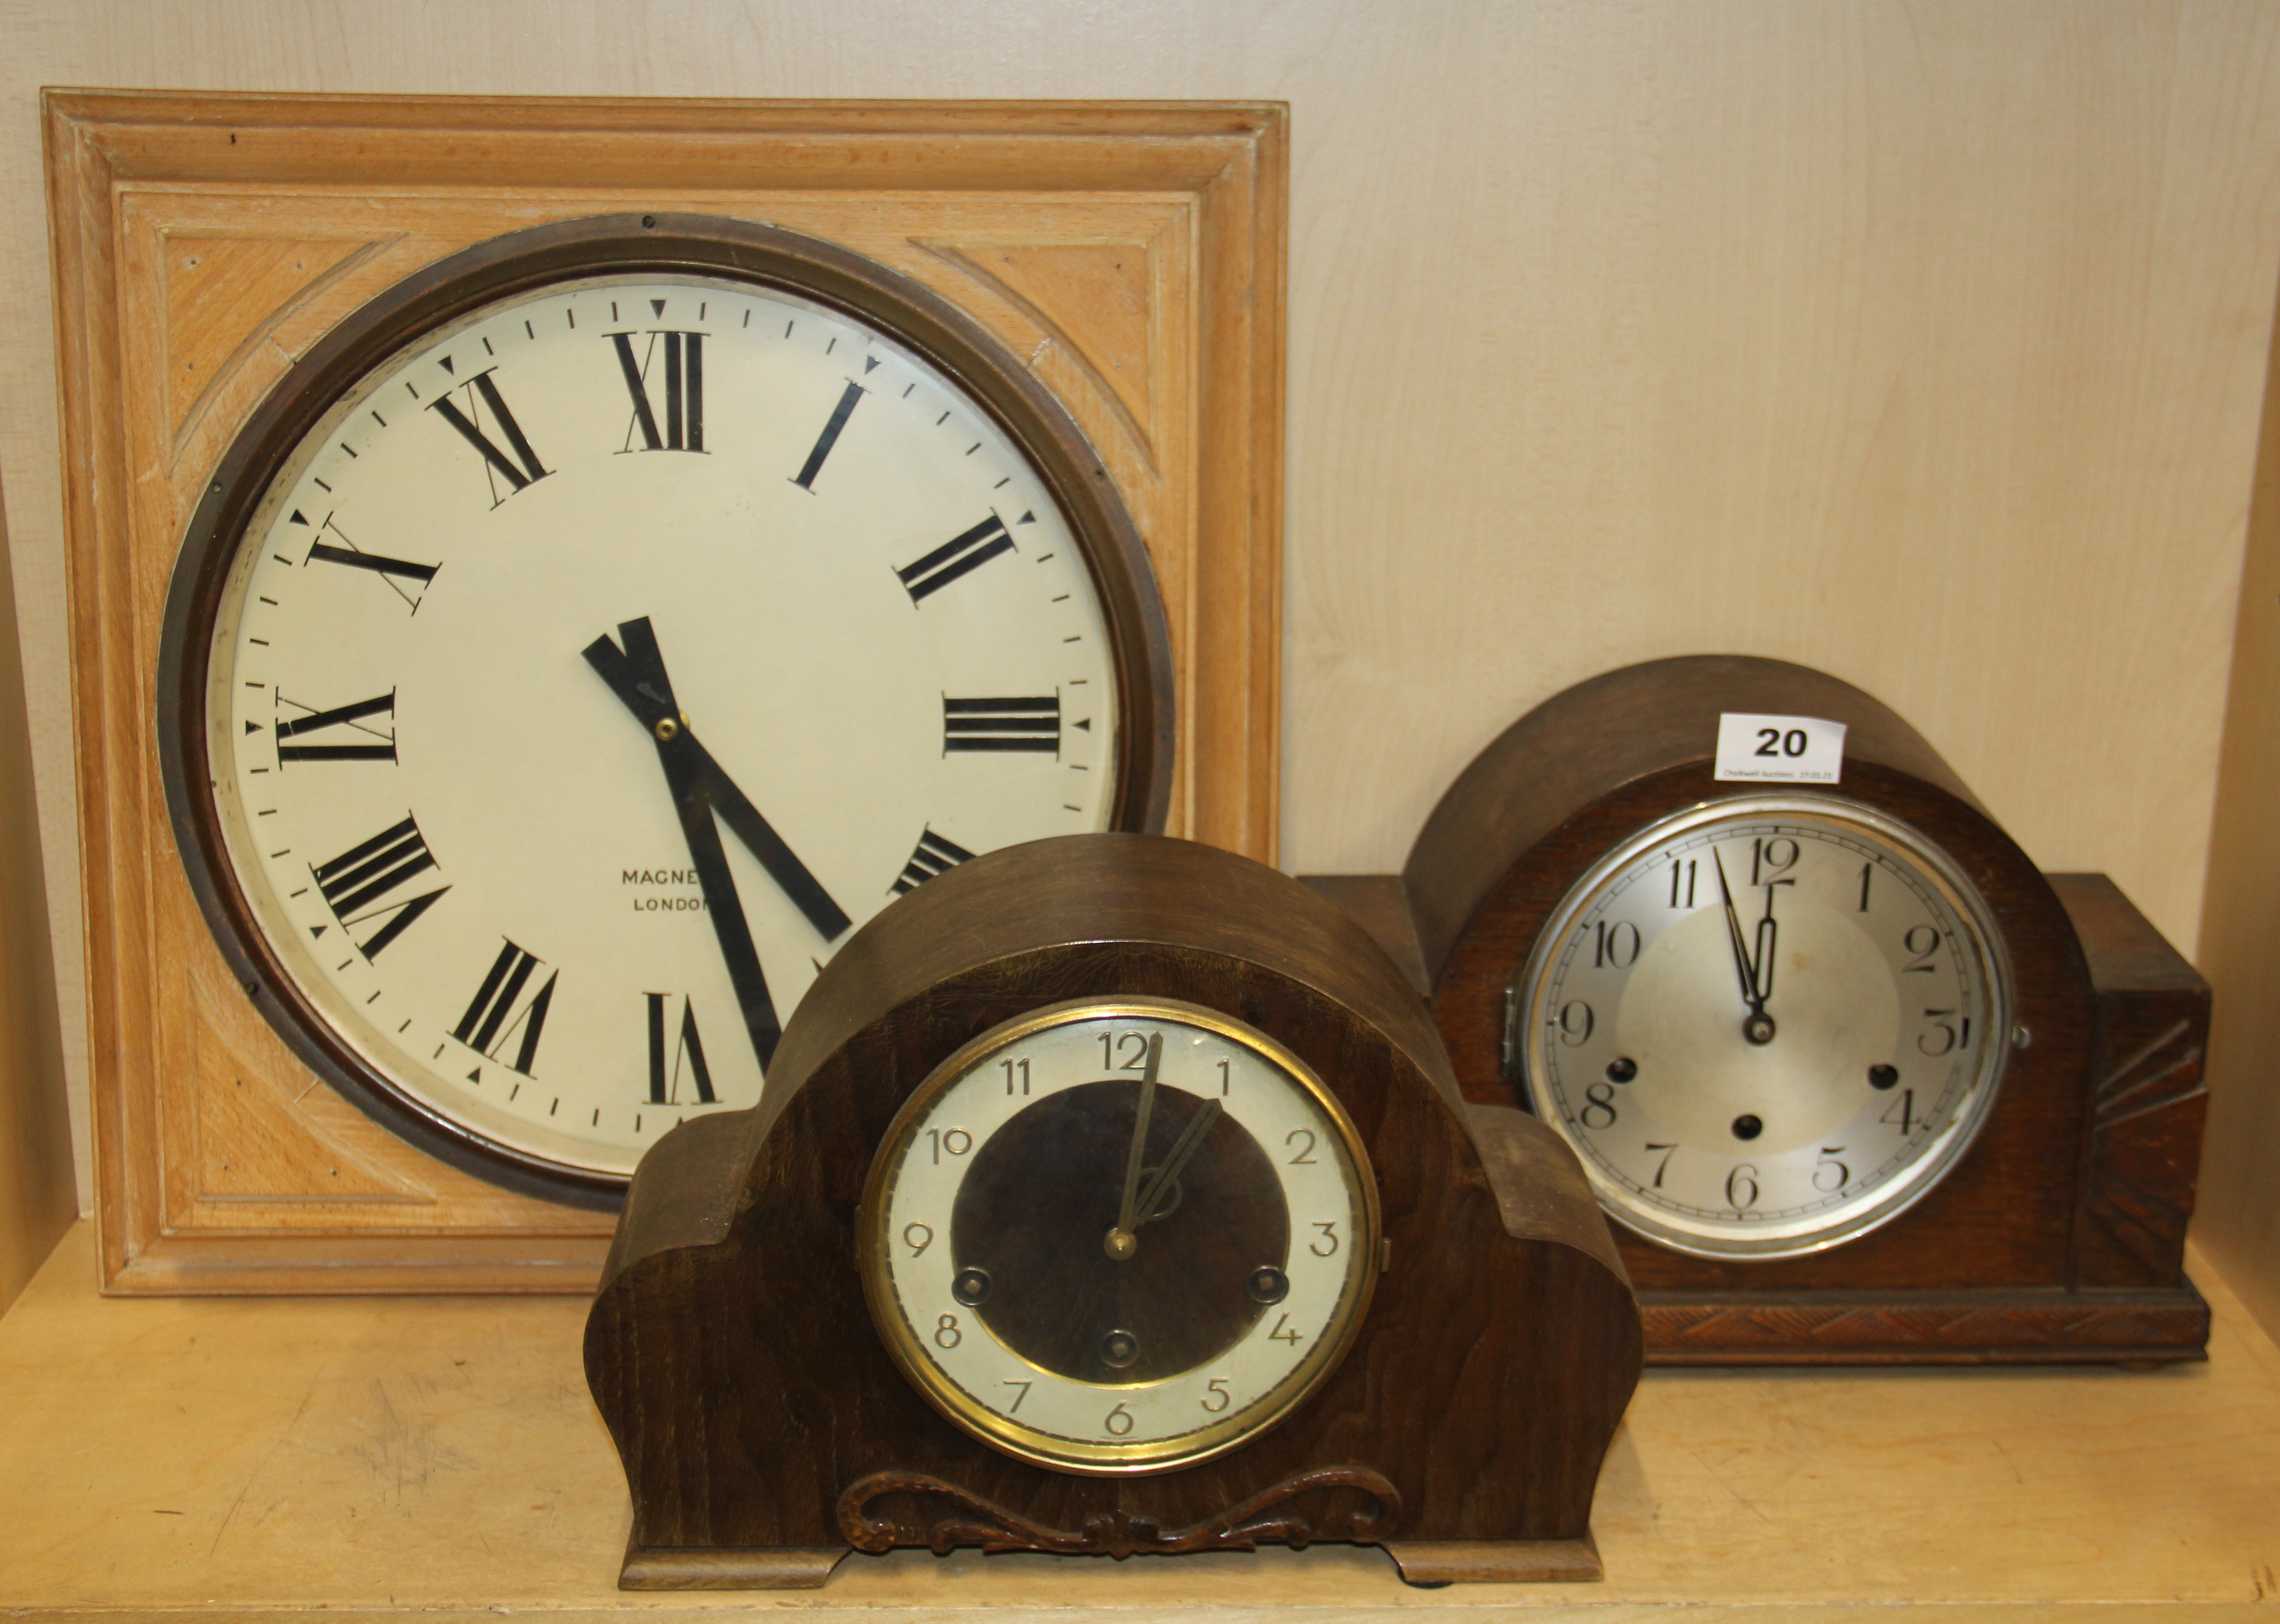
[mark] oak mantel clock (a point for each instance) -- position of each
(1111, 1195)
(1853, 1081)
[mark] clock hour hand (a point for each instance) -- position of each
(637, 676)
(1757, 1027)
(1150, 1205)
(1761, 966)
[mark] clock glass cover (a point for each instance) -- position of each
(597, 662)
(1767, 1024)
(1118, 1236)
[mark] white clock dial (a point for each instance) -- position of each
(1768, 1024)
(1119, 1237)
(602, 660)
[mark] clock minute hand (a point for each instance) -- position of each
(1744, 970)
(1761, 966)
(1121, 1242)
(637, 676)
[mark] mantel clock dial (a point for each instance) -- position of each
(1768, 1023)
(1119, 1236)
(597, 628)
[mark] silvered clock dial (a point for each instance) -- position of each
(1767, 1024)
(599, 626)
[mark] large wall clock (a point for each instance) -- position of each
(864, 706)
(596, 628)
(1853, 1081)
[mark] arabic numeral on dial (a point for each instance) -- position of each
(1615, 945)
(1282, 1331)
(946, 1333)
(1330, 1232)
(1305, 1156)
(1662, 1167)
(1574, 1023)
(1600, 1098)
(918, 1237)
(1682, 883)
(1920, 957)
(1951, 1034)
(948, 1142)
(1120, 1421)
(1015, 1407)
(1132, 1045)
(1216, 1389)
(1829, 1175)
(1742, 1187)
(1223, 1075)
(1901, 1113)
(1010, 1077)
(1777, 856)
(1867, 871)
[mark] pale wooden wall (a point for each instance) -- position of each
(1922, 342)
(2238, 1219)
(37, 1199)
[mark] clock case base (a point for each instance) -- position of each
(2058, 1237)
(1426, 1564)
(763, 1424)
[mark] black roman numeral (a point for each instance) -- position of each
(394, 571)
(348, 716)
(663, 1081)
(961, 555)
(1002, 724)
(932, 856)
(684, 390)
(483, 402)
(805, 478)
(355, 882)
(497, 1010)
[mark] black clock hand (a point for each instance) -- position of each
(1743, 968)
(638, 678)
(653, 701)
(1757, 1027)
(1762, 967)
(1148, 1209)
(725, 908)
(1120, 1242)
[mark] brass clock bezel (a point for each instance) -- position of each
(1904, 1189)
(1049, 1449)
(527, 262)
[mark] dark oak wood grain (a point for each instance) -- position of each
(755, 1409)
(2058, 1236)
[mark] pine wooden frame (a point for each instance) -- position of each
(1132, 253)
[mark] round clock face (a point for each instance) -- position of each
(1767, 1025)
(1118, 1236)
(602, 657)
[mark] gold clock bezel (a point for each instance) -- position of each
(1051, 1450)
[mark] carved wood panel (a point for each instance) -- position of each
(1131, 256)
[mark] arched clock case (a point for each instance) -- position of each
(1855, 1082)
(1110, 1196)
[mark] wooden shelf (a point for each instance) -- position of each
(243, 1456)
